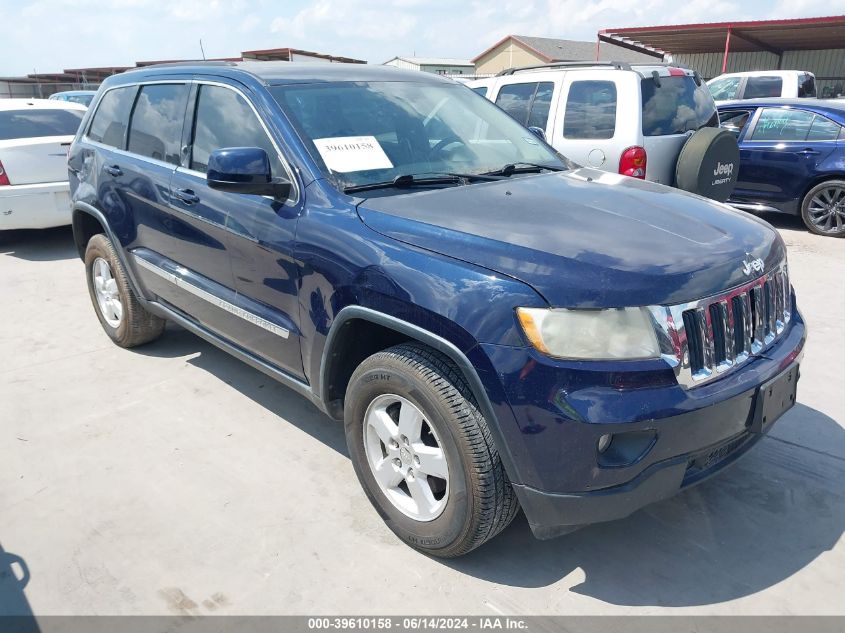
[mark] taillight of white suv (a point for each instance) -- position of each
(633, 162)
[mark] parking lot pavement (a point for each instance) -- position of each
(175, 479)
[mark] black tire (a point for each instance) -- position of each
(137, 326)
(807, 216)
(481, 501)
(709, 164)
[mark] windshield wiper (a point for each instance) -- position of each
(521, 167)
(404, 181)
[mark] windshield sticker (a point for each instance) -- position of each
(345, 154)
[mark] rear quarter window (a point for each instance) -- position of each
(590, 110)
(112, 117)
(36, 123)
(676, 105)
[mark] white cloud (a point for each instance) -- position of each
(55, 34)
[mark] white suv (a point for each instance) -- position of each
(626, 118)
(756, 84)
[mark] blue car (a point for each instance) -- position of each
(792, 159)
(495, 327)
(83, 97)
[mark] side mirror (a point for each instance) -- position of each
(538, 132)
(244, 170)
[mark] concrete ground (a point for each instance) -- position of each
(175, 479)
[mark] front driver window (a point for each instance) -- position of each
(225, 119)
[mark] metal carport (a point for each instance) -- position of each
(814, 44)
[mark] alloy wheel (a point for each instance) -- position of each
(105, 289)
(406, 457)
(827, 210)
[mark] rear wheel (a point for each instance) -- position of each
(423, 452)
(823, 208)
(122, 316)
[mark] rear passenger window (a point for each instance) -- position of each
(590, 110)
(112, 116)
(780, 124)
(758, 87)
(527, 103)
(156, 128)
(225, 119)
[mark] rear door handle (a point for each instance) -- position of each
(187, 196)
(807, 152)
(113, 170)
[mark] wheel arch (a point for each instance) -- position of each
(815, 182)
(336, 367)
(87, 221)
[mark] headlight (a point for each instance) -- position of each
(591, 334)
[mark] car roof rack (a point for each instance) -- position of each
(578, 64)
(586, 64)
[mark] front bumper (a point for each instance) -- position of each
(37, 206)
(561, 410)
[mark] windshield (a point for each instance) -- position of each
(371, 132)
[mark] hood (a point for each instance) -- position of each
(585, 238)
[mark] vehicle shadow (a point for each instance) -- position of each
(43, 245)
(747, 529)
(784, 221)
(256, 386)
(15, 612)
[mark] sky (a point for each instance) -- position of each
(51, 35)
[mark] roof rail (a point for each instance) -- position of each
(584, 64)
(188, 62)
(579, 64)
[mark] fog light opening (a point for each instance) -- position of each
(604, 442)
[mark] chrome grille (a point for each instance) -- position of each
(706, 338)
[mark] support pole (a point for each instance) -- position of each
(727, 49)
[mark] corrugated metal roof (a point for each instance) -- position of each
(774, 36)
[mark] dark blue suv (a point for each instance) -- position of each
(792, 159)
(496, 327)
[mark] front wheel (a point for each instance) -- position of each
(823, 208)
(423, 453)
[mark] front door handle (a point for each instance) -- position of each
(113, 170)
(187, 196)
(809, 151)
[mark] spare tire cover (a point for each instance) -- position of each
(709, 164)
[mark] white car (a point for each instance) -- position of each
(630, 119)
(35, 135)
(758, 84)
